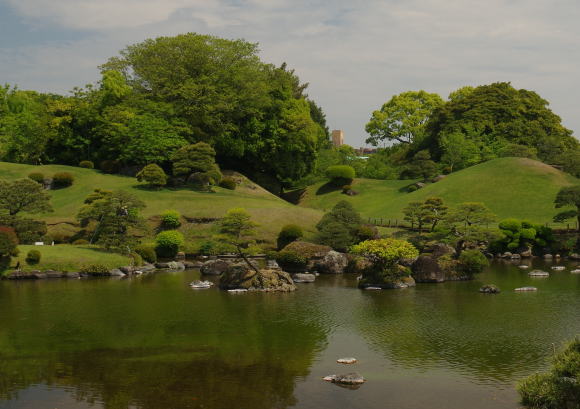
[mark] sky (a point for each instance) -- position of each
(354, 54)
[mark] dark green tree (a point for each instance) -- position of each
(339, 227)
(236, 228)
(434, 211)
(23, 195)
(568, 196)
(153, 175)
(196, 160)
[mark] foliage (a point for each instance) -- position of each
(62, 179)
(95, 270)
(23, 195)
(434, 211)
(152, 174)
(288, 234)
(110, 166)
(472, 262)
(558, 388)
(568, 196)
(385, 252)
(137, 260)
(87, 164)
(117, 215)
(228, 183)
(33, 257)
(416, 214)
(147, 252)
(402, 119)
(338, 228)
(170, 219)
(367, 232)
(340, 175)
(27, 230)
(8, 241)
(236, 227)
(37, 177)
(421, 166)
(519, 151)
(291, 259)
(521, 234)
(468, 224)
(197, 160)
(167, 243)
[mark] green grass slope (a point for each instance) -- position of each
(510, 187)
(268, 210)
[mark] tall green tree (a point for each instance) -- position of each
(339, 228)
(469, 224)
(236, 228)
(23, 195)
(568, 196)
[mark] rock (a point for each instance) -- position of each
(440, 249)
(176, 265)
(161, 266)
(398, 284)
(523, 267)
(557, 256)
(525, 289)
(272, 265)
(303, 278)
(420, 185)
(72, 275)
(426, 269)
(548, 257)
(147, 268)
(214, 267)
(538, 273)
(347, 361)
(38, 276)
(527, 253)
(489, 289)
(574, 256)
(438, 178)
(577, 271)
(241, 276)
(515, 256)
(189, 265)
(372, 288)
(126, 269)
(180, 256)
(558, 268)
(332, 263)
(54, 274)
(352, 378)
(116, 272)
(507, 254)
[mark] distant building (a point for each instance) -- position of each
(337, 137)
(366, 151)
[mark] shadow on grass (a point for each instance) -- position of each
(327, 188)
(146, 188)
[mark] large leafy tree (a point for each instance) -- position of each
(236, 228)
(402, 119)
(23, 195)
(469, 224)
(568, 196)
(339, 227)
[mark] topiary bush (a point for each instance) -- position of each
(62, 180)
(472, 262)
(288, 234)
(147, 252)
(228, 183)
(95, 270)
(37, 177)
(167, 243)
(33, 257)
(87, 164)
(340, 175)
(170, 219)
(154, 175)
(291, 259)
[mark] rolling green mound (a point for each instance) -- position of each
(510, 187)
(268, 210)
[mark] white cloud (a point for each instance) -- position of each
(354, 54)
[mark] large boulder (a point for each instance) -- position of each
(440, 249)
(309, 250)
(214, 267)
(426, 269)
(332, 263)
(241, 276)
(303, 278)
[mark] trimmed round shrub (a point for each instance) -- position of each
(37, 177)
(62, 179)
(147, 252)
(33, 257)
(346, 188)
(340, 175)
(87, 164)
(412, 188)
(288, 234)
(228, 183)
(167, 243)
(154, 175)
(367, 232)
(472, 262)
(170, 219)
(95, 270)
(137, 259)
(292, 259)
(110, 166)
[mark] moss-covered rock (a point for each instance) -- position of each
(241, 276)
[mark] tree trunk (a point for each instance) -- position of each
(241, 253)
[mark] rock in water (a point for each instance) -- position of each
(489, 289)
(525, 289)
(214, 267)
(303, 278)
(333, 263)
(558, 268)
(538, 273)
(577, 271)
(241, 276)
(352, 378)
(349, 360)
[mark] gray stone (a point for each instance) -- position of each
(116, 272)
(526, 253)
(303, 278)
(332, 263)
(489, 289)
(426, 269)
(72, 275)
(214, 267)
(126, 269)
(162, 265)
(180, 256)
(548, 257)
(574, 256)
(146, 268)
(54, 274)
(440, 249)
(352, 378)
(272, 265)
(241, 276)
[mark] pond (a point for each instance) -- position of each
(152, 342)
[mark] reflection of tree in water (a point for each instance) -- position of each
(244, 352)
(490, 338)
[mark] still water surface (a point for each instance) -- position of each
(153, 343)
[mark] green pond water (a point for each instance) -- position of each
(152, 342)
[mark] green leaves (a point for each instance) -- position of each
(23, 195)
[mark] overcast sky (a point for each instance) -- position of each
(355, 54)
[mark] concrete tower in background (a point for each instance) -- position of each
(337, 137)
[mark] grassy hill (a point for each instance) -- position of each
(510, 187)
(268, 210)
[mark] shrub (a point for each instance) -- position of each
(367, 232)
(228, 183)
(170, 219)
(385, 252)
(137, 259)
(110, 166)
(80, 242)
(346, 188)
(87, 164)
(340, 175)
(37, 177)
(167, 243)
(33, 257)
(291, 259)
(412, 188)
(288, 234)
(472, 262)
(147, 252)
(213, 248)
(153, 175)
(8, 241)
(338, 228)
(95, 270)
(62, 179)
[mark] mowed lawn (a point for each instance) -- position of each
(266, 209)
(510, 187)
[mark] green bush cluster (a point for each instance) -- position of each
(167, 243)
(95, 270)
(291, 259)
(340, 175)
(170, 219)
(339, 227)
(147, 252)
(472, 262)
(228, 183)
(37, 177)
(87, 164)
(33, 257)
(520, 234)
(154, 175)
(288, 234)
(62, 179)
(137, 259)
(213, 248)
